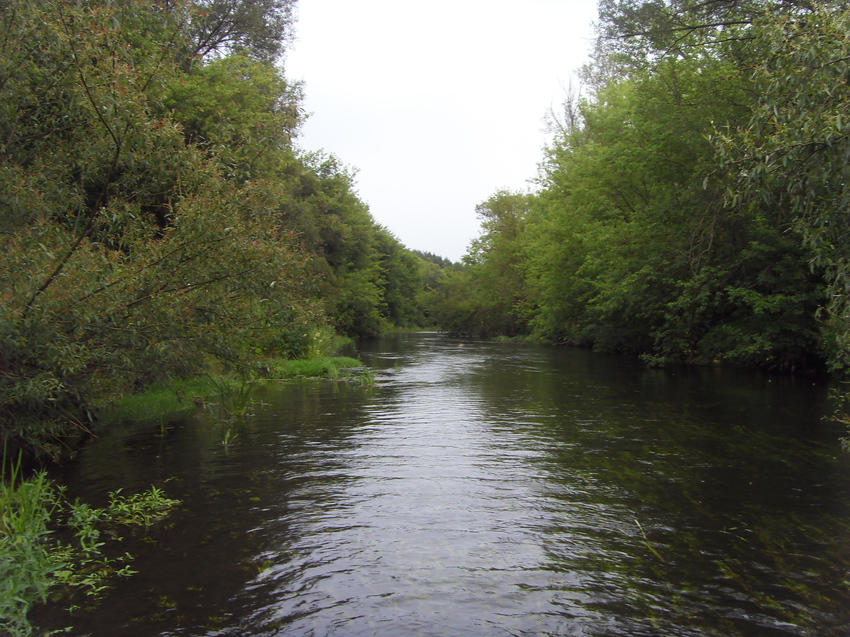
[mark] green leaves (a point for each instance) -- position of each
(242, 110)
(130, 253)
(793, 153)
(637, 240)
(154, 217)
(35, 562)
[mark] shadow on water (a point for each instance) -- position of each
(489, 489)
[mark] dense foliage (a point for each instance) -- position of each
(691, 203)
(155, 217)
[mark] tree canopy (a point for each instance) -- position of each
(155, 218)
(690, 203)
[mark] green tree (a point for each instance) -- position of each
(630, 246)
(242, 111)
(342, 238)
(639, 239)
(258, 28)
(792, 155)
(403, 281)
(128, 255)
(487, 296)
(623, 192)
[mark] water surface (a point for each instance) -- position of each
(489, 489)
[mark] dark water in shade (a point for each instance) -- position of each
(489, 489)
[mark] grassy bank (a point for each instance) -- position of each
(184, 396)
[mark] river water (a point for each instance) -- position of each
(484, 488)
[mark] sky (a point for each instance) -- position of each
(437, 104)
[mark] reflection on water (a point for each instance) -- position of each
(491, 489)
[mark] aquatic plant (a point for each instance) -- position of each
(142, 509)
(647, 543)
(28, 562)
(364, 376)
(34, 561)
(160, 402)
(229, 437)
(234, 394)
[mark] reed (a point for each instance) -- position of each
(27, 563)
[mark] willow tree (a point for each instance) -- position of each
(793, 153)
(129, 253)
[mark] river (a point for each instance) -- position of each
(483, 488)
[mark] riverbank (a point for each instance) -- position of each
(53, 548)
(229, 390)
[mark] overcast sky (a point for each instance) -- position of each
(436, 103)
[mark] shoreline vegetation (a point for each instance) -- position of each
(148, 236)
(158, 220)
(66, 551)
(230, 391)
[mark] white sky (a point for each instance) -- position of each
(437, 103)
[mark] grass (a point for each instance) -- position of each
(231, 393)
(234, 393)
(527, 338)
(27, 564)
(647, 543)
(320, 367)
(178, 398)
(337, 368)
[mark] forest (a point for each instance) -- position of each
(692, 203)
(157, 217)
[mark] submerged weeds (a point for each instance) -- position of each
(362, 376)
(647, 543)
(228, 439)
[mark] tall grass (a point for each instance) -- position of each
(177, 398)
(322, 366)
(27, 563)
(323, 342)
(234, 394)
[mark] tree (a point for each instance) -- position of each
(257, 28)
(403, 280)
(128, 254)
(630, 245)
(487, 296)
(240, 110)
(344, 241)
(636, 34)
(793, 153)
